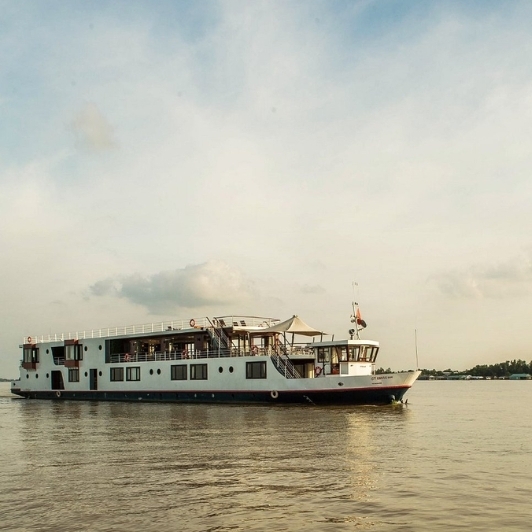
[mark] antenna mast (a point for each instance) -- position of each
(354, 316)
(415, 338)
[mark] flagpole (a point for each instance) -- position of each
(415, 338)
(355, 311)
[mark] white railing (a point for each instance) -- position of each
(129, 330)
(206, 353)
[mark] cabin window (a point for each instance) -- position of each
(179, 372)
(371, 353)
(198, 372)
(324, 354)
(74, 352)
(117, 374)
(58, 353)
(342, 353)
(353, 353)
(31, 354)
(255, 370)
(133, 374)
(368, 353)
(73, 375)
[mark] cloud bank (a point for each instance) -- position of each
(191, 287)
(512, 278)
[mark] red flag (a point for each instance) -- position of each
(360, 321)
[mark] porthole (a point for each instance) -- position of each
(231, 369)
(47, 375)
(151, 371)
(220, 369)
(86, 374)
(86, 348)
(100, 373)
(47, 351)
(159, 371)
(36, 375)
(27, 376)
(100, 347)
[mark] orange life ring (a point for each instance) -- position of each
(192, 322)
(254, 350)
(318, 371)
(127, 358)
(30, 339)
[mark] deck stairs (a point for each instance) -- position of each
(284, 365)
(220, 340)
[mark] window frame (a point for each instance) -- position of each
(116, 374)
(178, 372)
(251, 370)
(202, 376)
(133, 373)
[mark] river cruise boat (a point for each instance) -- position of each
(228, 359)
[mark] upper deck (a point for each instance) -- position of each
(237, 323)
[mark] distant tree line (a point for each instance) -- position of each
(502, 369)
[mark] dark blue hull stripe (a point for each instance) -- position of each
(361, 396)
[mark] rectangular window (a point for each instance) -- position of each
(31, 354)
(179, 372)
(342, 353)
(74, 352)
(133, 374)
(255, 370)
(73, 375)
(198, 372)
(58, 352)
(324, 354)
(117, 374)
(353, 353)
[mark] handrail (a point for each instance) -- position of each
(284, 366)
(174, 325)
(216, 332)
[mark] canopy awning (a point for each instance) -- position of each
(294, 325)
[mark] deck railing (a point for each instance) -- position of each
(207, 353)
(175, 325)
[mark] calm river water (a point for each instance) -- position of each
(457, 457)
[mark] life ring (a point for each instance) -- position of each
(254, 350)
(274, 394)
(184, 354)
(318, 371)
(30, 339)
(127, 358)
(58, 394)
(192, 322)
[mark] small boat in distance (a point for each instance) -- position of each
(227, 359)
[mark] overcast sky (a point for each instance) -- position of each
(172, 160)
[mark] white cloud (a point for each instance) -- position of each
(194, 286)
(508, 279)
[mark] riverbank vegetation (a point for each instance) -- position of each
(502, 370)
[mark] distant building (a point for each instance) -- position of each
(520, 377)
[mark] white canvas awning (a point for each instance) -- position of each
(294, 325)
